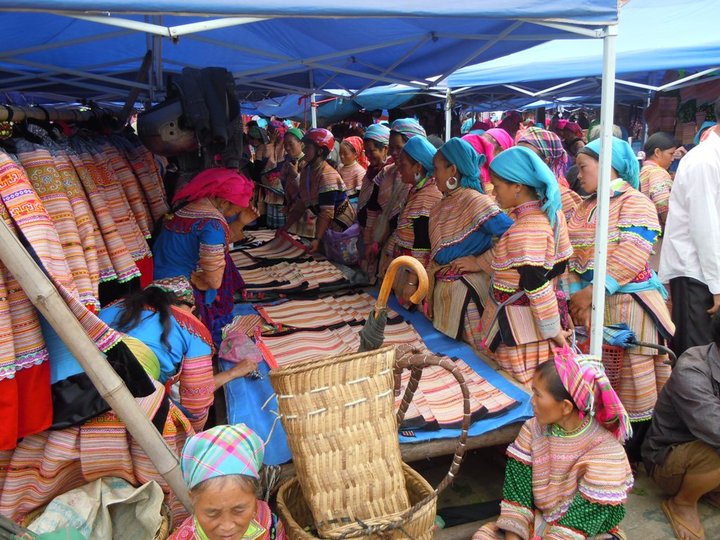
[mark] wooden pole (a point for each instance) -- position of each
(48, 301)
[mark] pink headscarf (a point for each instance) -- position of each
(584, 378)
(357, 145)
(502, 137)
(221, 183)
(485, 148)
(575, 128)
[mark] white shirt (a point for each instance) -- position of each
(691, 244)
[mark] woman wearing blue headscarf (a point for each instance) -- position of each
(633, 293)
(412, 234)
(522, 321)
(462, 226)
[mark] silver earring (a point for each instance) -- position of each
(418, 177)
(452, 183)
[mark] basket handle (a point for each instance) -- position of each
(416, 363)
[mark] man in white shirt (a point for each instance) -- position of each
(690, 257)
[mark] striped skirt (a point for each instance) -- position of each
(522, 360)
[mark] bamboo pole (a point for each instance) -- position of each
(48, 301)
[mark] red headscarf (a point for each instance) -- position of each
(485, 148)
(357, 145)
(221, 183)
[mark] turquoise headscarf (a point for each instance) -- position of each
(521, 165)
(623, 160)
(468, 162)
(422, 151)
(379, 133)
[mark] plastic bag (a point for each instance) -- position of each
(236, 346)
(342, 247)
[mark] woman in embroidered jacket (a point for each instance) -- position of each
(567, 476)
(634, 294)
(211, 211)
(462, 226)
(221, 466)
(522, 322)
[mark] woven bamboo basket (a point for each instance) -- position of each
(340, 423)
(415, 522)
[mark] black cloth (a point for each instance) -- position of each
(76, 399)
(421, 230)
(690, 301)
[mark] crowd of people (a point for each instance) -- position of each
(504, 221)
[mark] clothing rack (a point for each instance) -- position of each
(14, 113)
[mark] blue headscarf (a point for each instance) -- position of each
(623, 160)
(379, 133)
(705, 125)
(468, 162)
(521, 165)
(422, 151)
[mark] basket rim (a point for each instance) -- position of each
(319, 363)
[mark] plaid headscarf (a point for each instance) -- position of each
(218, 182)
(221, 451)
(356, 143)
(551, 149)
(409, 127)
(502, 137)
(584, 378)
(379, 133)
(179, 286)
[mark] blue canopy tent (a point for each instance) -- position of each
(655, 36)
(65, 47)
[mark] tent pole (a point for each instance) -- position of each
(646, 127)
(607, 109)
(48, 301)
(313, 110)
(448, 114)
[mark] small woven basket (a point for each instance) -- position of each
(338, 414)
(297, 518)
(612, 359)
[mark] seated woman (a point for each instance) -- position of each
(195, 239)
(221, 467)
(549, 147)
(88, 440)
(655, 180)
(412, 235)
(322, 190)
(462, 226)
(634, 294)
(567, 476)
(354, 166)
(522, 322)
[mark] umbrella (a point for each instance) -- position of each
(373, 333)
(620, 335)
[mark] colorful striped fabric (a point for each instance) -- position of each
(569, 201)
(656, 183)
(352, 176)
(419, 204)
(283, 247)
(459, 214)
(309, 275)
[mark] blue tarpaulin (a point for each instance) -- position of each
(654, 36)
(93, 49)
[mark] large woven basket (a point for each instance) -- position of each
(298, 520)
(339, 418)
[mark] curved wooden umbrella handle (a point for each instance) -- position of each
(416, 266)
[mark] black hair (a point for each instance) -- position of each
(436, 141)
(404, 137)
(548, 373)
(716, 328)
(661, 140)
(153, 298)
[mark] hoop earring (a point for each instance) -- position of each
(452, 183)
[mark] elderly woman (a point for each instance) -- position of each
(322, 190)
(392, 192)
(566, 474)
(522, 320)
(354, 165)
(412, 235)
(549, 147)
(633, 293)
(221, 467)
(462, 226)
(210, 212)
(655, 180)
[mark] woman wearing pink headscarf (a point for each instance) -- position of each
(499, 138)
(484, 148)
(209, 214)
(567, 475)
